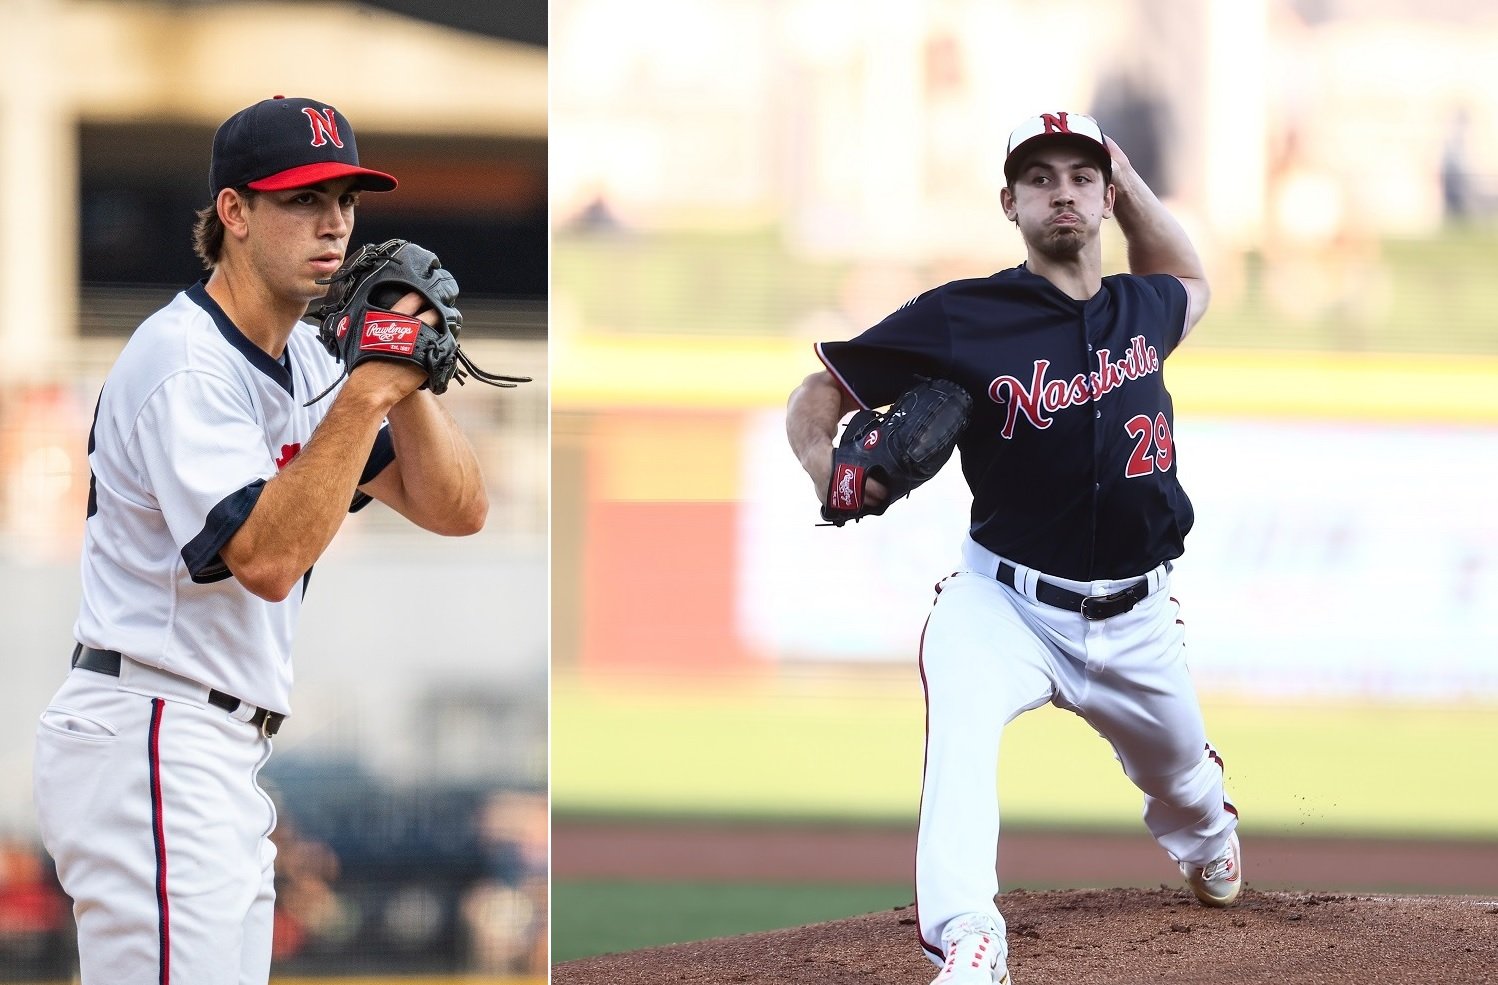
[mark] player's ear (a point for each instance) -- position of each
(233, 212)
(1110, 195)
(1006, 200)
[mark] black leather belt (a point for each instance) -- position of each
(108, 662)
(1093, 607)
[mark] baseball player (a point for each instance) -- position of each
(1063, 594)
(215, 487)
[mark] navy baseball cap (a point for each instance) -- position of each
(281, 143)
(1075, 128)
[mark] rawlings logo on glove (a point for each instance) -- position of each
(900, 449)
(361, 293)
(847, 488)
(390, 333)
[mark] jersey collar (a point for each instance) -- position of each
(279, 371)
(1044, 285)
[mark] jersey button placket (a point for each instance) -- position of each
(1097, 414)
(1088, 363)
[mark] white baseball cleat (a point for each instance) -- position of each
(1219, 881)
(976, 953)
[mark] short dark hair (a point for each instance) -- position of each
(208, 229)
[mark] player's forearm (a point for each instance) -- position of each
(811, 418)
(441, 487)
(1157, 243)
(302, 507)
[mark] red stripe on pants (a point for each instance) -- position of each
(158, 830)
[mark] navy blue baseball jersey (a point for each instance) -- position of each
(1069, 452)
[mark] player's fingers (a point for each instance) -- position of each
(409, 304)
(412, 303)
(874, 493)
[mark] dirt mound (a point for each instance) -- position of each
(1117, 936)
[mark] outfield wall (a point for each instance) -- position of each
(1330, 559)
(1343, 544)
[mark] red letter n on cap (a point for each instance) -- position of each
(325, 126)
(1054, 122)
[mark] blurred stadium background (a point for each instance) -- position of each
(412, 779)
(732, 181)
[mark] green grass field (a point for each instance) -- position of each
(830, 747)
(603, 917)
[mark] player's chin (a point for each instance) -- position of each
(1062, 243)
(309, 294)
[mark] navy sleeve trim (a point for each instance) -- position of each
(201, 555)
(380, 455)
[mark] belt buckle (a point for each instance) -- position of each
(264, 723)
(1101, 600)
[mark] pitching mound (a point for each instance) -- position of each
(1117, 936)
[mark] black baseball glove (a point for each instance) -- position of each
(357, 322)
(901, 449)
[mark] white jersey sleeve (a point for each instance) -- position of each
(203, 451)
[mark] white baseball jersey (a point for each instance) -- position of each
(192, 422)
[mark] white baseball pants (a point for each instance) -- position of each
(990, 652)
(148, 801)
